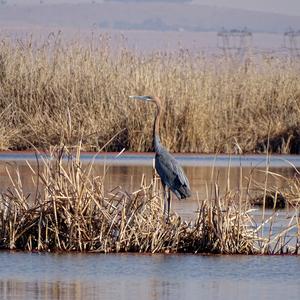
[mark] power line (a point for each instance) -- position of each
(235, 42)
(292, 42)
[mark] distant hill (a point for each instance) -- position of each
(145, 15)
(143, 1)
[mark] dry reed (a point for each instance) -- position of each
(58, 93)
(70, 211)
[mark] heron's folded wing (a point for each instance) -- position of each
(169, 169)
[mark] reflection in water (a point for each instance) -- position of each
(128, 177)
(129, 276)
(153, 277)
(15, 289)
(202, 181)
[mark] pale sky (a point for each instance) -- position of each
(291, 7)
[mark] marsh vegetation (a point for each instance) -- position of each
(64, 94)
(58, 93)
(70, 211)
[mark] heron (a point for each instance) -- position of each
(170, 172)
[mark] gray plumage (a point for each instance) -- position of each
(170, 172)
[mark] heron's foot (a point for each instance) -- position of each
(167, 219)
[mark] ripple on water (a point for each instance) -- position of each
(136, 276)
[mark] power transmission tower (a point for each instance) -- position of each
(292, 42)
(235, 43)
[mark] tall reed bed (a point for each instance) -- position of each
(69, 211)
(57, 93)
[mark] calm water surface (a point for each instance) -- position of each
(98, 276)
(135, 277)
(126, 172)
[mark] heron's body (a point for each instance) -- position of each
(171, 174)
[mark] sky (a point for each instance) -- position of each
(290, 7)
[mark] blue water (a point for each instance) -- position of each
(137, 276)
(195, 160)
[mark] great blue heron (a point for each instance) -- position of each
(170, 172)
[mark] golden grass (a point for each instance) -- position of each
(69, 211)
(58, 93)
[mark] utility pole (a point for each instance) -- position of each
(292, 42)
(235, 43)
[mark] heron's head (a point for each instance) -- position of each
(144, 98)
(154, 99)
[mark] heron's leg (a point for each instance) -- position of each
(169, 202)
(165, 198)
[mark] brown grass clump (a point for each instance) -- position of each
(57, 92)
(70, 212)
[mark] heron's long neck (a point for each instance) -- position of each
(156, 138)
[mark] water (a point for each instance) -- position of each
(139, 276)
(126, 172)
(136, 276)
(132, 158)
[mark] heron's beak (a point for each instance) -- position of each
(144, 98)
